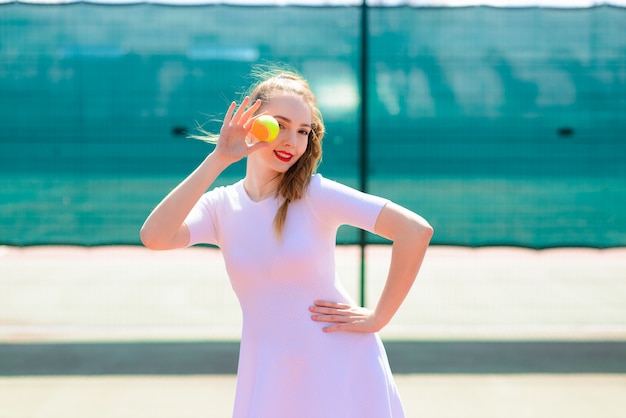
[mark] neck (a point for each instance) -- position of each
(260, 187)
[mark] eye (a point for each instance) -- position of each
(304, 132)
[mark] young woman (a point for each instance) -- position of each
(307, 350)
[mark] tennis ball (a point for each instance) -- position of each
(265, 128)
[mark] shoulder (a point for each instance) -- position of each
(224, 192)
(337, 203)
(220, 196)
(321, 185)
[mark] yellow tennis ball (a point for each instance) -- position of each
(265, 128)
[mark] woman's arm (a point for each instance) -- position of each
(410, 234)
(164, 229)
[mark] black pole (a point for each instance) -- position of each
(364, 135)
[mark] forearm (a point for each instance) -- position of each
(407, 255)
(410, 235)
(160, 229)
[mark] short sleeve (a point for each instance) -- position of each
(338, 204)
(201, 220)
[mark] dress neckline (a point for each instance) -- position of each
(244, 192)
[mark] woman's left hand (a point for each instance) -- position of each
(344, 317)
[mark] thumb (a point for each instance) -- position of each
(257, 146)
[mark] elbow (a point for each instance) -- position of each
(415, 235)
(424, 232)
(398, 224)
(418, 233)
(150, 240)
(146, 238)
(154, 238)
(428, 231)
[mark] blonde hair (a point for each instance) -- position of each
(294, 182)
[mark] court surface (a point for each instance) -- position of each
(489, 332)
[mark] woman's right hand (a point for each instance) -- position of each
(232, 145)
(164, 229)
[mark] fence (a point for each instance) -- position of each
(500, 126)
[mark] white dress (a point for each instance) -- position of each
(288, 367)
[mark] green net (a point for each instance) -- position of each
(500, 126)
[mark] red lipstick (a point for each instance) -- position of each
(283, 156)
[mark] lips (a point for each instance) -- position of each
(283, 156)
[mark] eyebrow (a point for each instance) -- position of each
(289, 120)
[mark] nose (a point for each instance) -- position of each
(290, 137)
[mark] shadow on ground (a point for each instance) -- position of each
(406, 357)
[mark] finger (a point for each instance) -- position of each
(331, 304)
(257, 146)
(251, 120)
(258, 115)
(229, 113)
(332, 328)
(360, 327)
(237, 116)
(246, 116)
(331, 318)
(340, 327)
(324, 310)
